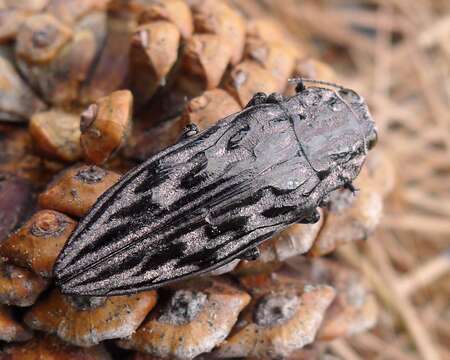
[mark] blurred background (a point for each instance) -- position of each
(397, 54)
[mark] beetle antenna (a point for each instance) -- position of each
(300, 81)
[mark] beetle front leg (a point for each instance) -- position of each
(257, 99)
(312, 218)
(251, 254)
(325, 202)
(350, 187)
(275, 98)
(299, 87)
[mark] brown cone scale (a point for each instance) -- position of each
(38, 242)
(205, 110)
(75, 190)
(350, 217)
(56, 134)
(88, 321)
(105, 126)
(51, 348)
(354, 309)
(193, 320)
(19, 287)
(174, 11)
(10, 329)
(283, 317)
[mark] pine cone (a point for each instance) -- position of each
(65, 64)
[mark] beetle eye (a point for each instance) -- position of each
(350, 96)
(373, 139)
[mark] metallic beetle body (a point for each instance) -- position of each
(213, 196)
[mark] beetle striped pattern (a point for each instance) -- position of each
(217, 194)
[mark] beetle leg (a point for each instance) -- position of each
(325, 202)
(251, 254)
(189, 130)
(349, 186)
(275, 98)
(299, 87)
(312, 218)
(257, 99)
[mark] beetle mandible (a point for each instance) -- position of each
(217, 194)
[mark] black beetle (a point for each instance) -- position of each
(215, 195)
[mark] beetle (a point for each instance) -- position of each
(217, 194)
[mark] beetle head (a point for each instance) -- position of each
(335, 131)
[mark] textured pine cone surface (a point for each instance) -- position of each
(91, 88)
